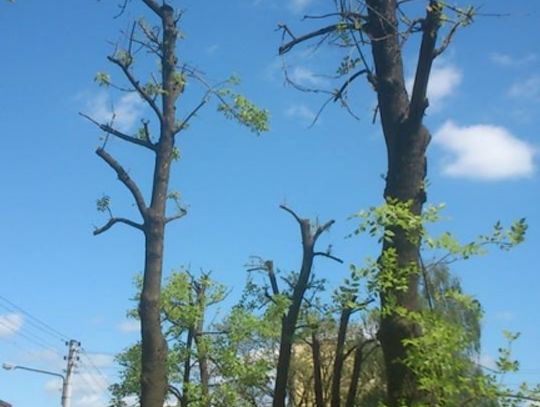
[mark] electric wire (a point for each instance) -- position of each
(43, 326)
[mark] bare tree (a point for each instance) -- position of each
(161, 95)
(380, 28)
(310, 234)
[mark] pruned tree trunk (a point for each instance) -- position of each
(202, 348)
(154, 383)
(406, 141)
(186, 376)
(317, 370)
(289, 321)
(359, 358)
(154, 348)
(339, 357)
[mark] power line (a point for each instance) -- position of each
(93, 365)
(43, 326)
(36, 340)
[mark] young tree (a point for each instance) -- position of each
(382, 26)
(161, 93)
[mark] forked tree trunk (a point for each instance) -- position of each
(290, 319)
(406, 141)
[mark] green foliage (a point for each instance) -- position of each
(103, 203)
(152, 89)
(124, 57)
(103, 79)
(442, 356)
(245, 112)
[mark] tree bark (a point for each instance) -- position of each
(154, 381)
(406, 141)
(355, 375)
(154, 348)
(202, 351)
(317, 370)
(339, 357)
(288, 326)
(186, 379)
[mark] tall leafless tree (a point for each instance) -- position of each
(161, 94)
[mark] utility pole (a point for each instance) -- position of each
(71, 359)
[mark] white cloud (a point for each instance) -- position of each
(88, 389)
(505, 316)
(487, 361)
(10, 324)
(129, 325)
(123, 113)
(528, 88)
(211, 49)
(510, 61)
(93, 400)
(484, 152)
(305, 77)
(301, 112)
(100, 360)
(298, 6)
(46, 357)
(443, 82)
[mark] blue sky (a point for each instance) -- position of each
(483, 163)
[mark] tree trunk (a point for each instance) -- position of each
(154, 381)
(288, 326)
(202, 349)
(184, 401)
(339, 357)
(317, 370)
(154, 348)
(406, 141)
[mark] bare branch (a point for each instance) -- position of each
(135, 83)
(122, 8)
(447, 40)
(175, 392)
(430, 27)
(323, 31)
(182, 212)
(110, 130)
(124, 177)
(154, 6)
(193, 113)
(328, 255)
(298, 219)
(322, 229)
(114, 221)
(339, 93)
